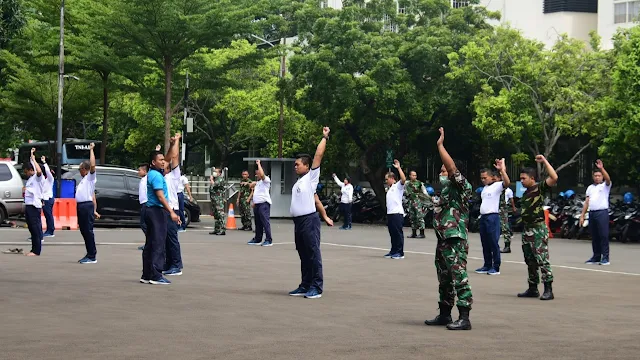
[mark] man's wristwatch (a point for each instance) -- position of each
(326, 137)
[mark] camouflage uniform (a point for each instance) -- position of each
(245, 207)
(216, 194)
(413, 189)
(504, 220)
(451, 214)
(535, 236)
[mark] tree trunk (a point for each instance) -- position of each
(168, 75)
(105, 118)
(376, 181)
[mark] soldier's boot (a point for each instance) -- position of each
(506, 250)
(444, 318)
(463, 322)
(421, 236)
(413, 234)
(548, 292)
(531, 292)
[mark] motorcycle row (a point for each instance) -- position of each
(564, 214)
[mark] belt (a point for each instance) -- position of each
(599, 210)
(304, 216)
(495, 213)
(85, 202)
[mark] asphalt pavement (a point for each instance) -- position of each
(231, 302)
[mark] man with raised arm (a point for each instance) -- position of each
(48, 199)
(33, 203)
(307, 222)
(173, 256)
(262, 207)
(535, 235)
(597, 203)
(395, 212)
(451, 215)
(85, 206)
(346, 200)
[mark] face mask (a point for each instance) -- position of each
(444, 180)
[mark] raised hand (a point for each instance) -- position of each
(499, 165)
(33, 152)
(257, 162)
(158, 147)
(540, 158)
(396, 164)
(325, 131)
(441, 139)
(43, 159)
(91, 146)
(599, 164)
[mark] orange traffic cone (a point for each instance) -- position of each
(231, 219)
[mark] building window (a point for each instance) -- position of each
(324, 4)
(458, 3)
(402, 10)
(626, 11)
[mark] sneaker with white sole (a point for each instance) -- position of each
(86, 260)
(161, 281)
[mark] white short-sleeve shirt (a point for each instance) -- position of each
(173, 181)
(302, 198)
(47, 184)
(183, 182)
(142, 190)
(599, 196)
(346, 191)
(33, 191)
(394, 199)
(508, 195)
(491, 198)
(261, 191)
(86, 188)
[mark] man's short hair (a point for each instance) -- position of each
(489, 172)
(27, 167)
(306, 159)
(596, 170)
(86, 165)
(144, 166)
(245, 171)
(391, 175)
(530, 171)
(153, 155)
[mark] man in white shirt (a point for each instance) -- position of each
(47, 197)
(307, 222)
(597, 203)
(173, 256)
(346, 199)
(143, 169)
(85, 206)
(395, 212)
(33, 203)
(262, 207)
(490, 217)
(183, 184)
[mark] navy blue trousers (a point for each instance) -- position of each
(599, 227)
(346, 213)
(262, 214)
(47, 209)
(173, 257)
(143, 225)
(85, 222)
(490, 237)
(394, 224)
(307, 238)
(34, 222)
(153, 254)
(181, 207)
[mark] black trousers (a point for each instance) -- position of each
(262, 213)
(394, 223)
(85, 222)
(153, 254)
(307, 238)
(346, 213)
(173, 257)
(34, 222)
(599, 226)
(143, 225)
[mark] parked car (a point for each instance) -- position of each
(117, 195)
(11, 200)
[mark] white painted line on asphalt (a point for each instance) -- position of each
(477, 258)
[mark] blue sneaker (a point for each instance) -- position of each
(141, 247)
(313, 294)
(162, 281)
(605, 262)
(86, 260)
(300, 291)
(483, 270)
(182, 230)
(397, 256)
(343, 228)
(388, 255)
(144, 281)
(494, 272)
(267, 243)
(48, 235)
(593, 261)
(253, 242)
(172, 272)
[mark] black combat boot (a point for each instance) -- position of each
(531, 292)
(413, 234)
(506, 250)
(444, 318)
(548, 292)
(463, 322)
(421, 236)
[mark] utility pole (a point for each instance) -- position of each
(183, 158)
(283, 71)
(60, 95)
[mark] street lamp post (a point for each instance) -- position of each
(60, 95)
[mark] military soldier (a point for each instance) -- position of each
(244, 201)
(451, 215)
(417, 200)
(216, 194)
(535, 236)
(506, 202)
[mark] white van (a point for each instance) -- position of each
(11, 200)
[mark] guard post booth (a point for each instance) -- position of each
(283, 177)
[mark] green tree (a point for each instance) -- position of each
(11, 20)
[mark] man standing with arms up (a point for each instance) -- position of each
(416, 207)
(395, 212)
(173, 255)
(243, 203)
(307, 222)
(451, 215)
(86, 208)
(262, 207)
(535, 235)
(597, 203)
(216, 194)
(33, 203)
(506, 202)
(49, 200)
(346, 199)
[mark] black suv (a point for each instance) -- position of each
(117, 195)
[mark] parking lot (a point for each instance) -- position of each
(231, 302)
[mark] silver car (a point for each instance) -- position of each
(11, 199)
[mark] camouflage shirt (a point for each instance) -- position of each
(503, 203)
(216, 189)
(413, 189)
(451, 212)
(531, 203)
(245, 190)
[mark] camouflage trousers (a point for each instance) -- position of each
(451, 267)
(217, 210)
(505, 227)
(416, 215)
(245, 213)
(535, 246)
